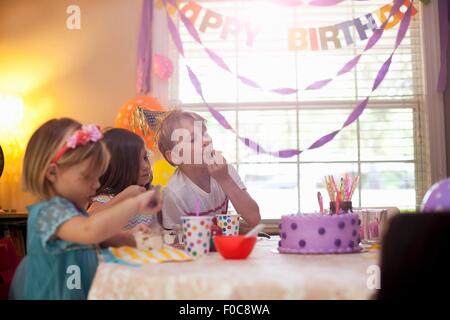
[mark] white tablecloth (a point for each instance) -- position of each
(265, 274)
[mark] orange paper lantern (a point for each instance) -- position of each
(130, 117)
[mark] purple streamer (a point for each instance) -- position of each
(217, 59)
(319, 84)
(284, 91)
(144, 65)
(444, 19)
(190, 27)
(252, 145)
(358, 110)
(375, 36)
(349, 65)
(325, 139)
(195, 81)
(286, 153)
(219, 117)
(248, 82)
(174, 33)
(382, 73)
(402, 29)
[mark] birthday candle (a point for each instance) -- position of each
(335, 184)
(338, 200)
(319, 198)
(354, 185)
(347, 187)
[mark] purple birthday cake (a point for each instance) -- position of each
(315, 233)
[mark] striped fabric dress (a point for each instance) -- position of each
(133, 222)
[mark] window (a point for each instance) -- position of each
(382, 146)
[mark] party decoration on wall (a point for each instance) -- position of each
(333, 36)
(162, 67)
(437, 198)
(357, 111)
(284, 91)
(160, 5)
(143, 79)
(214, 20)
(162, 171)
(299, 39)
(131, 116)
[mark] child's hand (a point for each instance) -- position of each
(150, 202)
(130, 192)
(219, 170)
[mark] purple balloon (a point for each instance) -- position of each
(437, 198)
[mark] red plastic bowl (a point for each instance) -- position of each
(234, 247)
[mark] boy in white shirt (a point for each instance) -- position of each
(203, 181)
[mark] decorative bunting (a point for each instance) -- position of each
(376, 36)
(352, 117)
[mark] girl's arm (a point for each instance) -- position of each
(125, 238)
(130, 191)
(108, 222)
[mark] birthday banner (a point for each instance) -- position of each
(354, 115)
(328, 37)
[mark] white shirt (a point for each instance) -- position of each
(181, 194)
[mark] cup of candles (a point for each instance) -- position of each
(341, 193)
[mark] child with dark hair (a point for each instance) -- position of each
(129, 173)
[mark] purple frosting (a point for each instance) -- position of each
(316, 233)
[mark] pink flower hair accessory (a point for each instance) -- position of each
(87, 133)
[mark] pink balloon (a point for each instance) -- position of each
(162, 67)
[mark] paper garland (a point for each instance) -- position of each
(219, 61)
(357, 111)
(143, 83)
(327, 37)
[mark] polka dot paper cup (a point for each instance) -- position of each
(196, 234)
(229, 223)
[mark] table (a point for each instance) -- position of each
(266, 274)
(14, 224)
(15, 215)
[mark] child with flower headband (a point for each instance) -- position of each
(62, 164)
